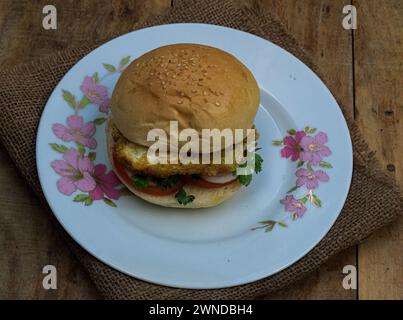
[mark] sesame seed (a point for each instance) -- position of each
(217, 104)
(180, 102)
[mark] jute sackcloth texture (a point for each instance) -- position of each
(374, 199)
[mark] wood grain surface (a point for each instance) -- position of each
(379, 112)
(364, 71)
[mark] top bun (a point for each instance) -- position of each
(199, 86)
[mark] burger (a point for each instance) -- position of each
(197, 87)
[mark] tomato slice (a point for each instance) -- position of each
(158, 191)
(154, 190)
(198, 182)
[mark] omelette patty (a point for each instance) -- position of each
(134, 158)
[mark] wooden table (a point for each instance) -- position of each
(364, 69)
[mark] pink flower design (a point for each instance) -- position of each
(293, 205)
(77, 131)
(76, 171)
(96, 93)
(106, 183)
(79, 172)
(314, 149)
(292, 146)
(310, 178)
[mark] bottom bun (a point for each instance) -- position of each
(204, 197)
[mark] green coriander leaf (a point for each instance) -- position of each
(258, 163)
(140, 182)
(243, 165)
(183, 197)
(292, 132)
(245, 179)
(166, 183)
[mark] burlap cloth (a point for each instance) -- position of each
(374, 199)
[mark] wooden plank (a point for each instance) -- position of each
(317, 27)
(379, 112)
(28, 241)
(79, 22)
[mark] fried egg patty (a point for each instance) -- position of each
(134, 158)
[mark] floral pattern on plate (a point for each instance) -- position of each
(309, 149)
(79, 174)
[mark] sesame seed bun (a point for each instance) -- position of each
(199, 86)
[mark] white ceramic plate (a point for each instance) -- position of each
(205, 248)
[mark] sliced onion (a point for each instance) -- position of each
(220, 178)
